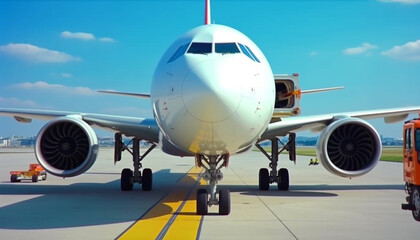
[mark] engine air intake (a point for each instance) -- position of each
(66, 147)
(349, 147)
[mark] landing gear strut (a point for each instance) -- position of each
(213, 175)
(129, 177)
(281, 177)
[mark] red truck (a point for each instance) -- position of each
(411, 162)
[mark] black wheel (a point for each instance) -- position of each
(126, 180)
(147, 179)
(224, 202)
(45, 175)
(283, 183)
(415, 200)
(202, 207)
(13, 178)
(34, 178)
(264, 179)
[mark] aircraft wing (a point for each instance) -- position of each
(144, 128)
(318, 122)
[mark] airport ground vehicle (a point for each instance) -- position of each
(35, 173)
(411, 160)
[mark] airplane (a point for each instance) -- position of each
(213, 94)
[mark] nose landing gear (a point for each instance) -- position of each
(213, 175)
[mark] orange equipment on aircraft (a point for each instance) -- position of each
(36, 172)
(411, 151)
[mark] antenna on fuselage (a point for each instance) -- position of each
(207, 16)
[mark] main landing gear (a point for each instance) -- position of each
(281, 177)
(129, 177)
(212, 175)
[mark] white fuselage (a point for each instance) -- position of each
(213, 91)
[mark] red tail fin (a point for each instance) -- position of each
(207, 17)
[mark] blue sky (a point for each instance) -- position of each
(57, 54)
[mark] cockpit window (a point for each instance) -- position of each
(226, 48)
(248, 52)
(253, 55)
(181, 50)
(207, 47)
(200, 48)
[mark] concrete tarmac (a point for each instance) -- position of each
(91, 206)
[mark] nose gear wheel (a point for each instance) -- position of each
(212, 165)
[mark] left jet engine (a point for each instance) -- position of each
(66, 146)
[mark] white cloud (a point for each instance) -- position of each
(66, 75)
(359, 50)
(409, 51)
(106, 39)
(78, 35)
(14, 102)
(56, 88)
(401, 1)
(36, 54)
(314, 53)
(84, 36)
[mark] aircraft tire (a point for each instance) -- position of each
(147, 179)
(263, 179)
(202, 207)
(224, 202)
(283, 175)
(126, 180)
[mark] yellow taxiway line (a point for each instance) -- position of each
(180, 223)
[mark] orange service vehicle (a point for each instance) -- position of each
(36, 172)
(411, 160)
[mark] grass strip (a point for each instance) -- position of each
(389, 154)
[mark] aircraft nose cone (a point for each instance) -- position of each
(211, 92)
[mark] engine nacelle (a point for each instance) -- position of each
(349, 147)
(66, 147)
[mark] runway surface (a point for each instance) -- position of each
(91, 206)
